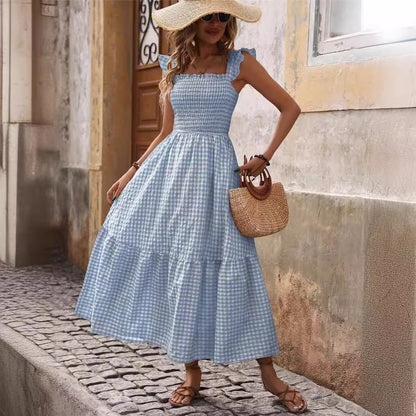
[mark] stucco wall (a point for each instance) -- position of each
(76, 149)
(62, 84)
(62, 98)
(45, 118)
(341, 275)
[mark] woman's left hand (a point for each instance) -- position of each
(254, 166)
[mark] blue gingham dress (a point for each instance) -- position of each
(169, 266)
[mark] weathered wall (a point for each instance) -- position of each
(62, 98)
(16, 99)
(341, 275)
(76, 148)
(45, 132)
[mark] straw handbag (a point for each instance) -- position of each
(259, 210)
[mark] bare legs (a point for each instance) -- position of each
(291, 398)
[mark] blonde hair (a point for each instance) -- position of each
(184, 45)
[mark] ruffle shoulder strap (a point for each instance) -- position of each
(163, 62)
(236, 58)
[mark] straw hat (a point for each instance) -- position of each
(181, 14)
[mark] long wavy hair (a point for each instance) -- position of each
(184, 46)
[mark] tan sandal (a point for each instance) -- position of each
(192, 391)
(287, 391)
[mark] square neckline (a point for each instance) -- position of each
(214, 74)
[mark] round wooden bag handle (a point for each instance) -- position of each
(259, 192)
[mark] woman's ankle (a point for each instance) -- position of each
(193, 374)
(265, 361)
(192, 364)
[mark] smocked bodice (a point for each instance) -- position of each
(205, 102)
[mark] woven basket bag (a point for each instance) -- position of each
(259, 210)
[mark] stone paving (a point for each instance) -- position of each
(137, 378)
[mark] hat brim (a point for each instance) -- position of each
(182, 14)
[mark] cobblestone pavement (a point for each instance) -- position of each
(136, 378)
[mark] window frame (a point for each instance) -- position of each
(368, 78)
(355, 40)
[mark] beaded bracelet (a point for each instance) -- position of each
(264, 158)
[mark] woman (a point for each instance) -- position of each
(169, 266)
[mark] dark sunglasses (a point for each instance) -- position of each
(222, 17)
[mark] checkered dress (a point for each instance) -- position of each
(169, 266)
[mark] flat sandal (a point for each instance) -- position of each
(288, 390)
(194, 392)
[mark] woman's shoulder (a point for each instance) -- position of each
(251, 51)
(237, 55)
(164, 57)
(237, 58)
(163, 61)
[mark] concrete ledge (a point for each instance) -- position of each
(33, 383)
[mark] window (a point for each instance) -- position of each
(147, 48)
(342, 25)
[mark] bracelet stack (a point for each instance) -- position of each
(264, 158)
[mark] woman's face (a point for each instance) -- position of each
(210, 32)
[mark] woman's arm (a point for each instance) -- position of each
(256, 75)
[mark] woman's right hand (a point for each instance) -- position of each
(118, 186)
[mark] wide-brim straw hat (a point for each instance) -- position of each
(179, 15)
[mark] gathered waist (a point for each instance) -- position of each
(204, 132)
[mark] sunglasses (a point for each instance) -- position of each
(222, 17)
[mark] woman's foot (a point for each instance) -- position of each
(184, 394)
(290, 397)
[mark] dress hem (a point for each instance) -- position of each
(100, 330)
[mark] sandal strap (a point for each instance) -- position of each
(192, 389)
(287, 391)
(181, 390)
